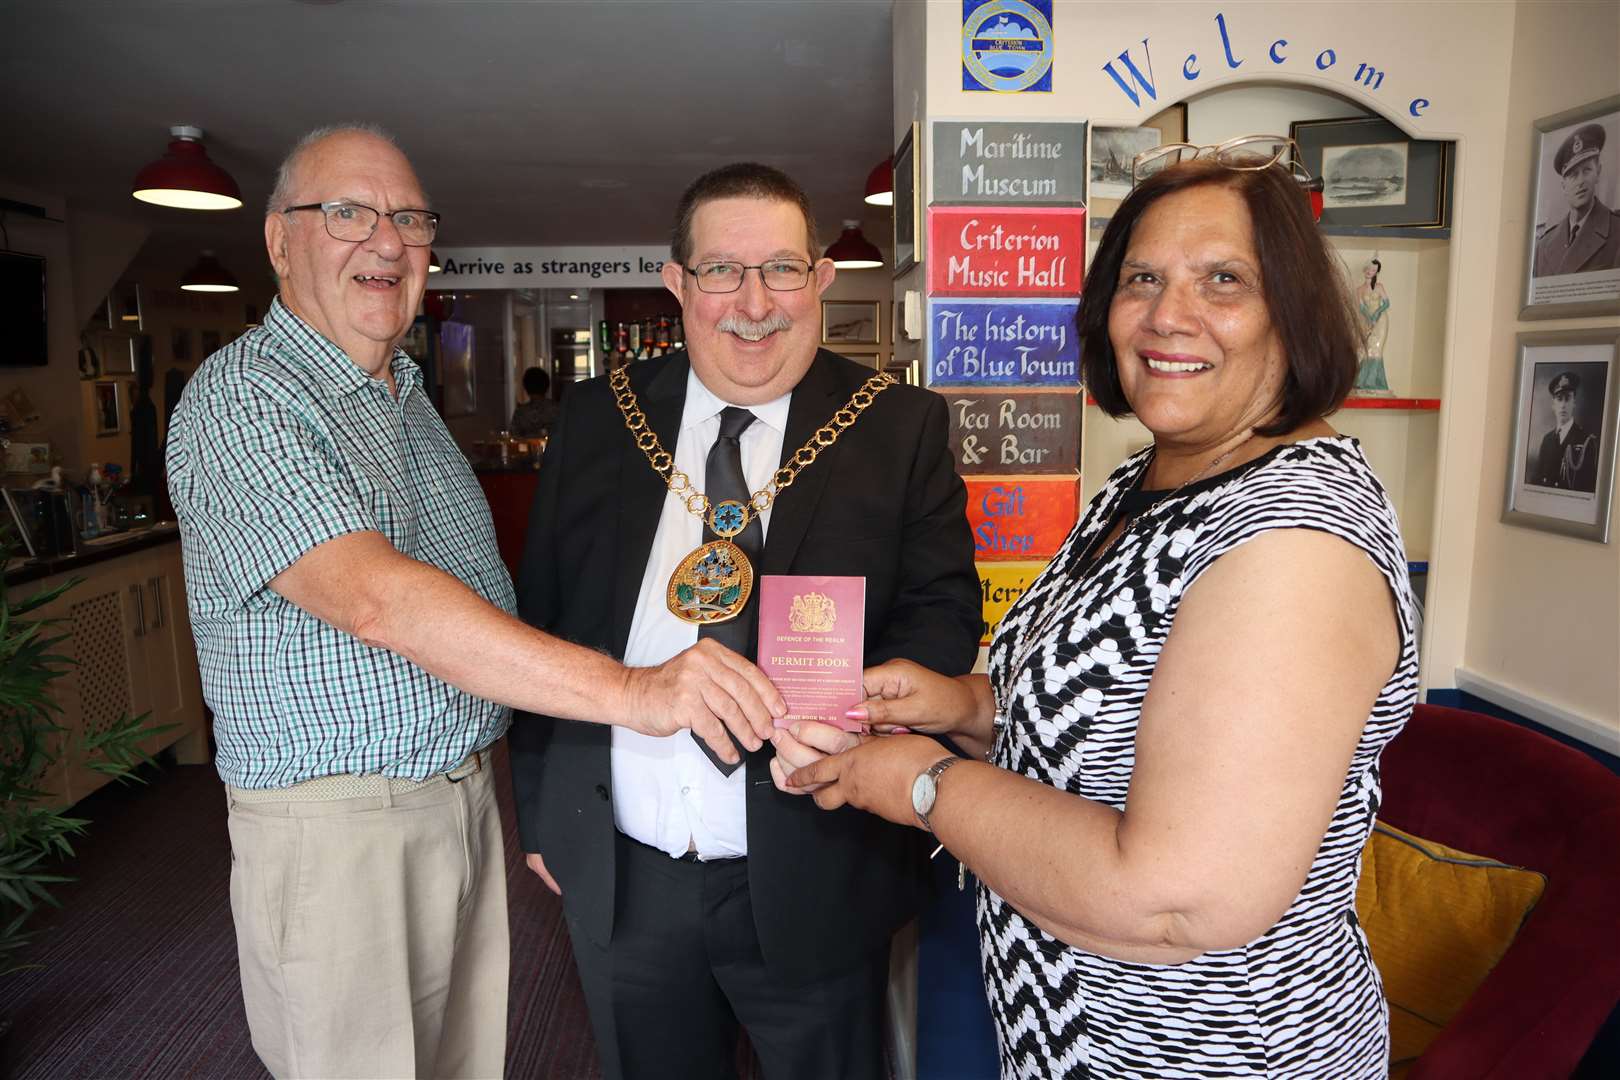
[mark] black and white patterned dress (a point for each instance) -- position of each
(1303, 999)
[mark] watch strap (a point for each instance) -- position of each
(933, 772)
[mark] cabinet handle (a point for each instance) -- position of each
(157, 602)
(140, 610)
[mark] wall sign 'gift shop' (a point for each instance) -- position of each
(1021, 517)
(1006, 251)
(1003, 343)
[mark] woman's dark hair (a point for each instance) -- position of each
(536, 382)
(1305, 294)
(1374, 281)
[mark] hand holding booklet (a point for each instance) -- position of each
(812, 642)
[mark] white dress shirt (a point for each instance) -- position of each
(666, 793)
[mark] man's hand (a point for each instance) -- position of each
(806, 742)
(538, 865)
(708, 689)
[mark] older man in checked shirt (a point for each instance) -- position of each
(353, 622)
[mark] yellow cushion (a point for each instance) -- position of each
(1438, 920)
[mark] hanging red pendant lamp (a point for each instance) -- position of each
(184, 177)
(852, 251)
(880, 183)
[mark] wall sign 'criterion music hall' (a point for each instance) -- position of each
(1006, 251)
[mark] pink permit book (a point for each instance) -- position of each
(812, 634)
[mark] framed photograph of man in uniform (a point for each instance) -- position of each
(1573, 251)
(1561, 468)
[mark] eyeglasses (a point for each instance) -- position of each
(355, 222)
(779, 275)
(1246, 153)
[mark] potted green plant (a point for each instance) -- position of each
(36, 838)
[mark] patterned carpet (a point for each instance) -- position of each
(137, 973)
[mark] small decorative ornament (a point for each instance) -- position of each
(728, 518)
(712, 584)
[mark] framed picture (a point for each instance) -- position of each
(122, 360)
(1108, 143)
(908, 373)
(907, 210)
(180, 344)
(1572, 260)
(90, 356)
(107, 408)
(1373, 176)
(849, 322)
(1561, 468)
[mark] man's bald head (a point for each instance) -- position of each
(287, 173)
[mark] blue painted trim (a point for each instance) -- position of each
(1462, 699)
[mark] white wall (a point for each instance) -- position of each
(1544, 621)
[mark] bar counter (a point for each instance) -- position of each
(111, 546)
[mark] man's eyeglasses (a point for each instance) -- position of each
(1244, 153)
(355, 222)
(779, 275)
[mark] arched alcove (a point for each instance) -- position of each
(1398, 430)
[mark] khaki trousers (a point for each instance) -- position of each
(372, 930)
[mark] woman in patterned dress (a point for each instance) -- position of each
(1172, 765)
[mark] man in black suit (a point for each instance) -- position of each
(697, 900)
(1569, 453)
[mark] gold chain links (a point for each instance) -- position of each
(680, 484)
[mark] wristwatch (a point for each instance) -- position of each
(925, 789)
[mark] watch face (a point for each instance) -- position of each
(922, 795)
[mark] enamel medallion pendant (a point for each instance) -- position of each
(711, 585)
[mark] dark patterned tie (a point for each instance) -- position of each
(722, 480)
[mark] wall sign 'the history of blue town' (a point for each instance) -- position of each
(1002, 342)
(1007, 45)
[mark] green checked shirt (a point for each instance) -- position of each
(279, 444)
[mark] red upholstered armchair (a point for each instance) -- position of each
(1494, 788)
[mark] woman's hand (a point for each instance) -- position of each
(805, 743)
(905, 695)
(875, 776)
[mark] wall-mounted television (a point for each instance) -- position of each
(22, 310)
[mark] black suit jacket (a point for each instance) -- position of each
(1571, 463)
(828, 889)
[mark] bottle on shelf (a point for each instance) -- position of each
(621, 348)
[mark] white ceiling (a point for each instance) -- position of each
(529, 121)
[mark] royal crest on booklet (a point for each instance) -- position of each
(812, 634)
